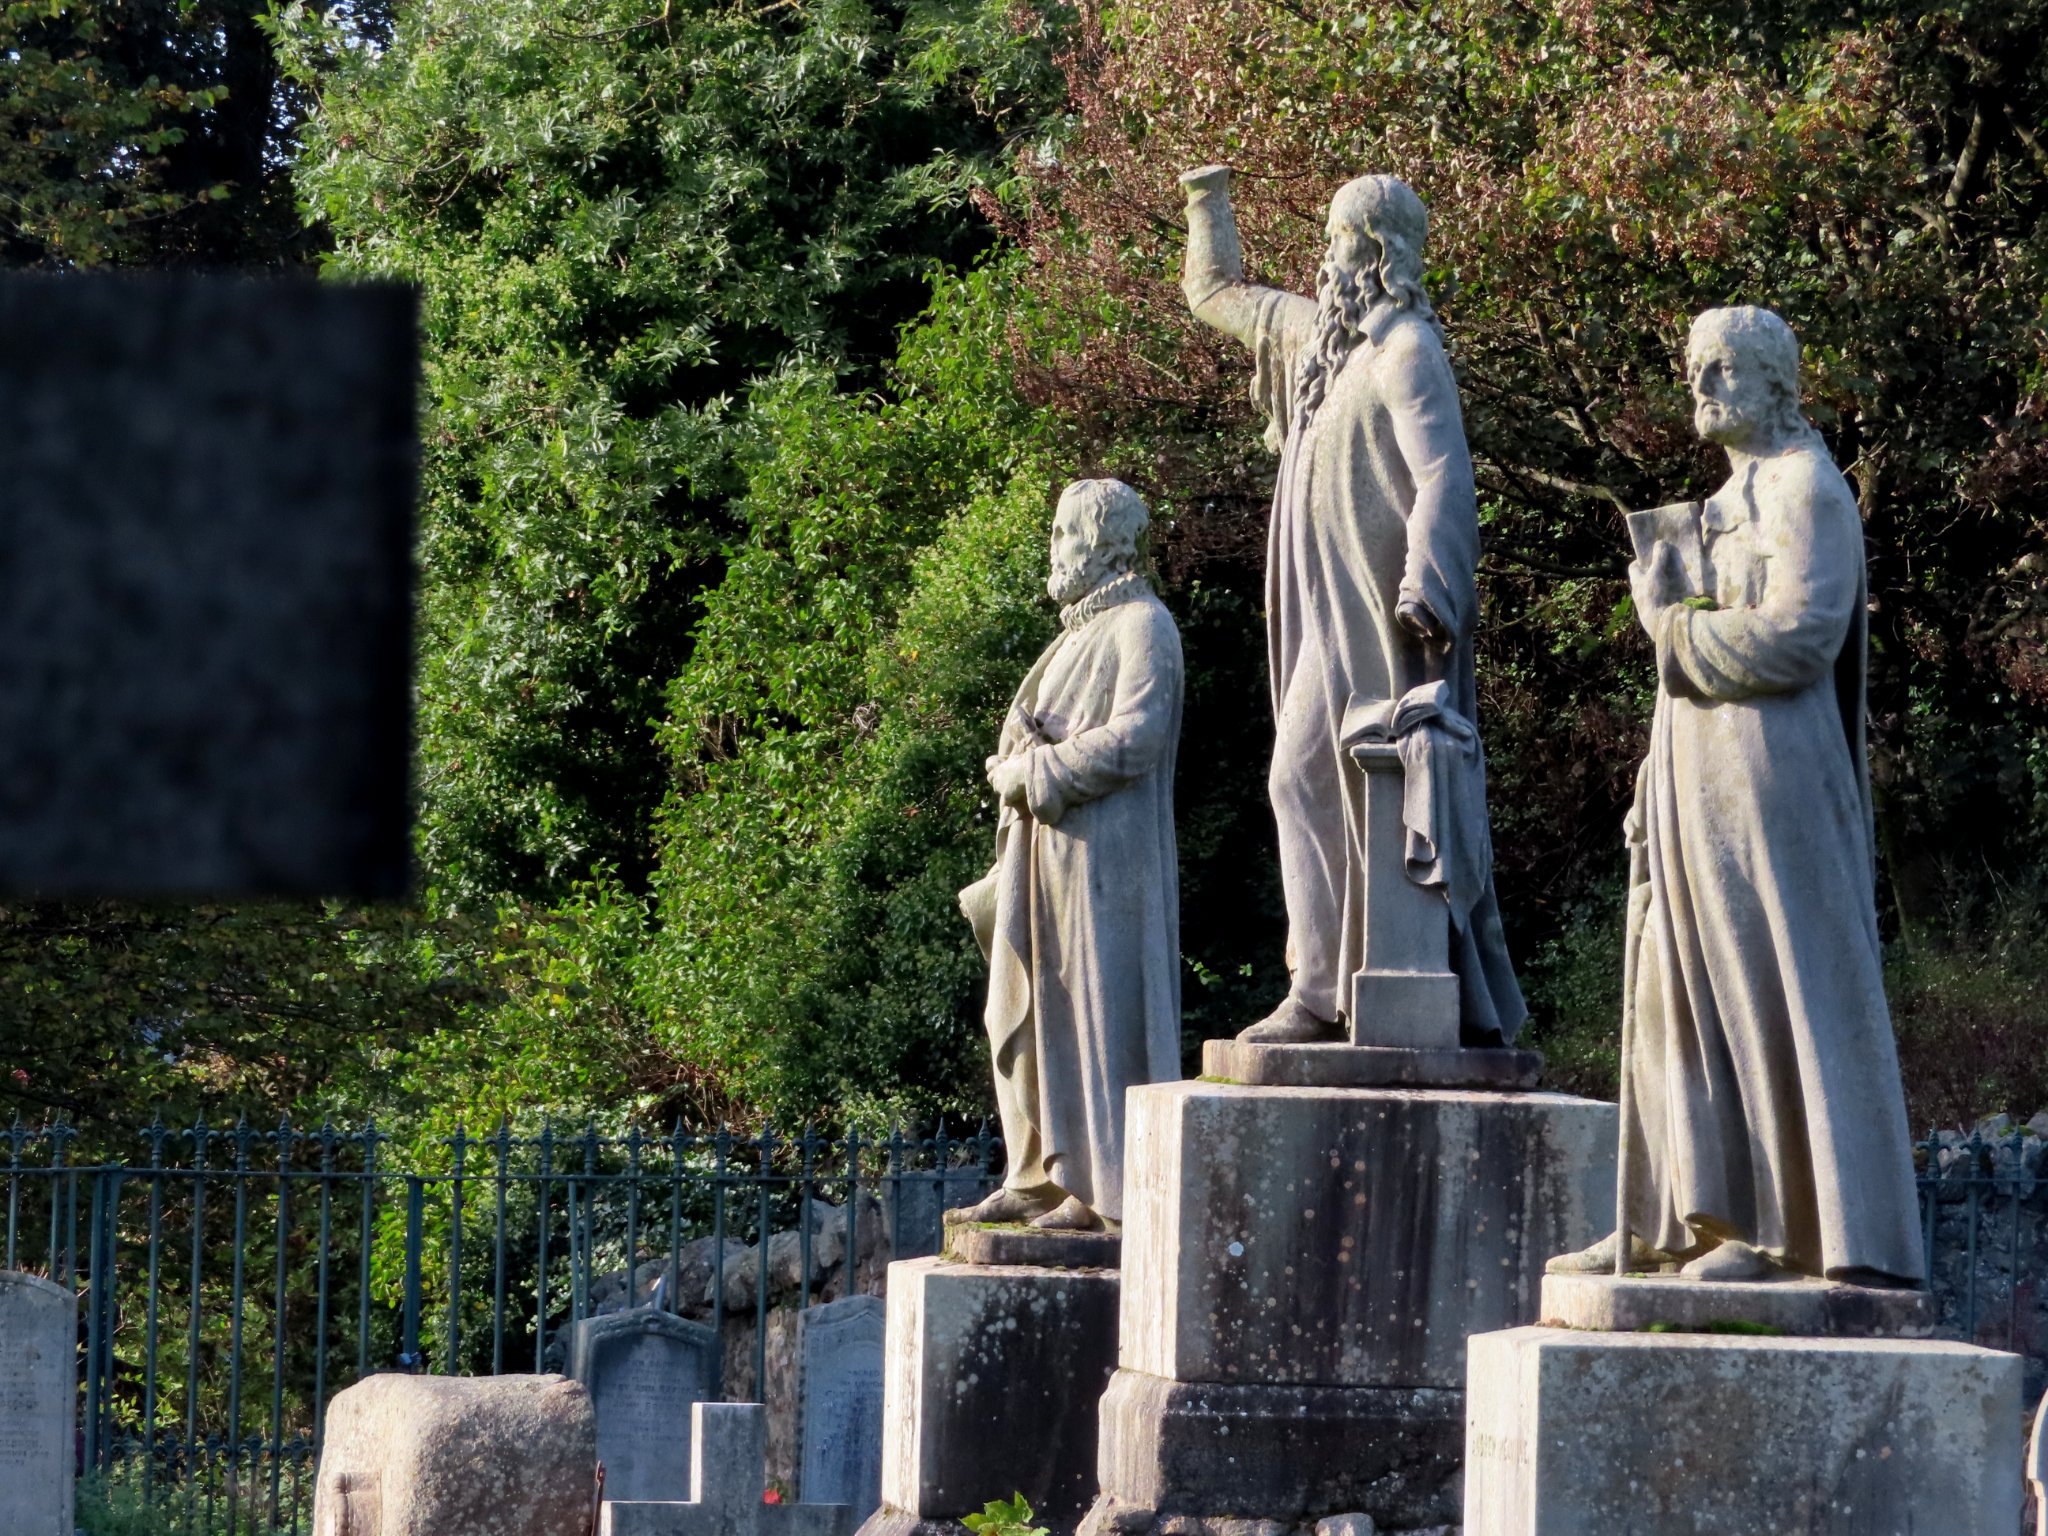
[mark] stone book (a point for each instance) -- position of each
(1679, 526)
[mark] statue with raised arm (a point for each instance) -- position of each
(1080, 917)
(1763, 1125)
(1370, 597)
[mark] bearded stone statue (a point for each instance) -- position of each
(1370, 596)
(1080, 917)
(1763, 1124)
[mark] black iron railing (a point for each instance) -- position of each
(231, 1281)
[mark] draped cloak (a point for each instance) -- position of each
(1374, 505)
(1763, 1070)
(1084, 951)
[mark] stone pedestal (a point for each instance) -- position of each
(1301, 1269)
(1023, 1245)
(1818, 1309)
(993, 1373)
(1405, 993)
(1574, 1433)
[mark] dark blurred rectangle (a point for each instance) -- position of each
(206, 508)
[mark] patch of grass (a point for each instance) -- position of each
(1727, 1325)
(117, 1508)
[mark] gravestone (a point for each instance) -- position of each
(918, 1203)
(205, 585)
(645, 1370)
(840, 1347)
(440, 1455)
(38, 1402)
(728, 1486)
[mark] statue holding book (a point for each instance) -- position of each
(1763, 1124)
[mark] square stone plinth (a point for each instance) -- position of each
(1019, 1244)
(992, 1374)
(1674, 1304)
(1635, 1434)
(1271, 1453)
(1347, 1237)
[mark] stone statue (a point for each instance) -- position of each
(1370, 594)
(1080, 917)
(1763, 1125)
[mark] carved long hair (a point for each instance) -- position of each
(1388, 212)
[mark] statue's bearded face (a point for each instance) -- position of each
(1079, 564)
(1352, 251)
(1733, 398)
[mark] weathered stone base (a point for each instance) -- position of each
(1637, 1434)
(1028, 1246)
(1799, 1308)
(1291, 1454)
(1337, 1065)
(1346, 1237)
(991, 1379)
(429, 1455)
(894, 1522)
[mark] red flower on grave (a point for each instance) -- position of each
(770, 1496)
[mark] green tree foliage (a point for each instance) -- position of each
(621, 217)
(111, 1013)
(144, 131)
(154, 133)
(1598, 172)
(727, 574)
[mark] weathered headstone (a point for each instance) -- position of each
(917, 1203)
(436, 1455)
(841, 1395)
(205, 585)
(728, 1486)
(38, 1402)
(645, 1370)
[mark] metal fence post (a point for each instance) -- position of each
(415, 1213)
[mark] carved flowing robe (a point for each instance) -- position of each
(1084, 934)
(1764, 1074)
(1374, 505)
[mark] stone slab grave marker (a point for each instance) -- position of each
(841, 1394)
(728, 1449)
(441, 1455)
(645, 1370)
(38, 1402)
(206, 491)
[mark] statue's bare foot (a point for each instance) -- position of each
(1070, 1215)
(1291, 1024)
(1599, 1259)
(1004, 1205)
(1732, 1260)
